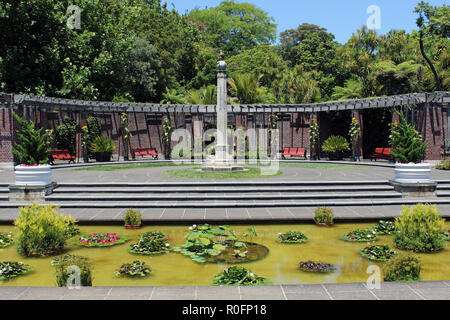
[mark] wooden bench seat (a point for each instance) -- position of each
(381, 153)
(294, 152)
(152, 152)
(61, 155)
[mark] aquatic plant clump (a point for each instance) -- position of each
(360, 235)
(67, 258)
(238, 276)
(377, 253)
(402, 268)
(73, 270)
(101, 240)
(384, 227)
(9, 270)
(154, 242)
(5, 240)
(311, 266)
(134, 269)
(292, 237)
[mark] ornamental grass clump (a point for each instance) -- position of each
(132, 218)
(292, 237)
(336, 144)
(134, 269)
(420, 229)
(10, 270)
(238, 276)
(74, 271)
(324, 216)
(41, 230)
(377, 253)
(402, 268)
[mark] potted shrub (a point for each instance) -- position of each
(41, 231)
(32, 150)
(408, 150)
(336, 146)
(402, 268)
(103, 148)
(132, 219)
(420, 229)
(324, 216)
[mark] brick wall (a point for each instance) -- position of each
(6, 136)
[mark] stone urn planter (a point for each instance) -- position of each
(412, 172)
(37, 175)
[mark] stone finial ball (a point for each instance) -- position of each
(221, 65)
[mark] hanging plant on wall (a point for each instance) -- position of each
(354, 132)
(167, 136)
(126, 134)
(314, 137)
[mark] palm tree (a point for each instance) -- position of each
(206, 96)
(298, 86)
(246, 88)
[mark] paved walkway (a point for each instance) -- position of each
(432, 290)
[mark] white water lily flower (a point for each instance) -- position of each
(167, 245)
(190, 228)
(252, 275)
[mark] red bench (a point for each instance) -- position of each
(381, 153)
(61, 155)
(294, 152)
(145, 152)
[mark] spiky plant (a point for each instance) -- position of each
(32, 146)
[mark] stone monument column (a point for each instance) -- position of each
(222, 161)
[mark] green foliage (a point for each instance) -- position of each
(420, 229)
(206, 95)
(65, 135)
(238, 276)
(292, 237)
(336, 144)
(353, 133)
(100, 240)
(73, 270)
(444, 165)
(32, 146)
(134, 269)
(324, 215)
(132, 217)
(314, 134)
(407, 143)
(360, 235)
(297, 86)
(204, 241)
(41, 230)
(89, 133)
(5, 240)
(246, 88)
(10, 270)
(377, 253)
(234, 27)
(402, 268)
(384, 227)
(102, 144)
(154, 242)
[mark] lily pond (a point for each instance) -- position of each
(280, 265)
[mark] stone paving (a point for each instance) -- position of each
(428, 290)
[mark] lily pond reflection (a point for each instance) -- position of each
(280, 265)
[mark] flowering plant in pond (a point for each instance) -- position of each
(101, 240)
(134, 269)
(5, 240)
(292, 237)
(377, 253)
(384, 227)
(311, 266)
(9, 270)
(360, 235)
(153, 242)
(238, 276)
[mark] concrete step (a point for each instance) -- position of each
(232, 204)
(206, 197)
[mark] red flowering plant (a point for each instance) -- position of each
(101, 240)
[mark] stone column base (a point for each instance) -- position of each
(415, 190)
(18, 193)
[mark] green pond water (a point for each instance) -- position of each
(280, 266)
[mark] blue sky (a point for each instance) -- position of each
(340, 17)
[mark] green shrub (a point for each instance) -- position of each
(444, 165)
(238, 276)
(336, 144)
(420, 229)
(69, 269)
(65, 135)
(324, 215)
(132, 217)
(102, 144)
(406, 142)
(41, 230)
(402, 268)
